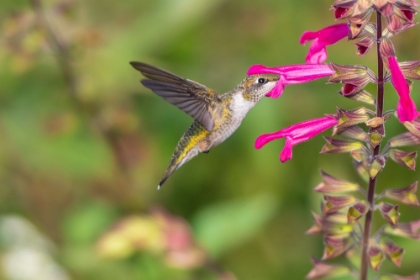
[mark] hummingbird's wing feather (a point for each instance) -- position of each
(195, 99)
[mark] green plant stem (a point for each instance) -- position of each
(372, 182)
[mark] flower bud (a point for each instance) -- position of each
(343, 8)
(389, 212)
(376, 166)
(354, 77)
(410, 230)
(350, 118)
(406, 159)
(405, 195)
(357, 211)
(335, 203)
(323, 270)
(364, 45)
(358, 20)
(386, 48)
(393, 252)
(410, 69)
(331, 184)
(340, 145)
(376, 256)
(335, 246)
(404, 139)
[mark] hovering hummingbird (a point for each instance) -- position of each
(216, 116)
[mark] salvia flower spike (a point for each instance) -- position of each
(347, 207)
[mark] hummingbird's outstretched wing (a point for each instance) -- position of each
(195, 99)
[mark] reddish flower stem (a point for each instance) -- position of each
(372, 182)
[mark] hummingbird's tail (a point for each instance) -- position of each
(175, 163)
(182, 154)
(168, 173)
(188, 147)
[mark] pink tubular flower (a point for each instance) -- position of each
(321, 39)
(292, 74)
(406, 108)
(296, 134)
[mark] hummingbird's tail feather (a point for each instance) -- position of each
(187, 148)
(169, 171)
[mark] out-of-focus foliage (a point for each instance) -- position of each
(83, 144)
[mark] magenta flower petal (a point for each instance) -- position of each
(406, 108)
(348, 89)
(317, 53)
(409, 14)
(397, 77)
(266, 138)
(287, 151)
(292, 74)
(296, 134)
(261, 69)
(277, 90)
(340, 12)
(321, 39)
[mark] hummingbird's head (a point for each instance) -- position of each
(257, 86)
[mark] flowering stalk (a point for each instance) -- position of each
(347, 211)
(372, 181)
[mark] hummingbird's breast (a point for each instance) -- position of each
(231, 118)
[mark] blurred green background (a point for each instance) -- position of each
(83, 145)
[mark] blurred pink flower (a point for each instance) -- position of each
(292, 74)
(321, 39)
(296, 134)
(406, 108)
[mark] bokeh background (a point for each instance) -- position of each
(83, 144)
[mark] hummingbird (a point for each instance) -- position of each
(216, 116)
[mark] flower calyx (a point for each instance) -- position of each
(354, 77)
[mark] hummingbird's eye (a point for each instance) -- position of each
(261, 81)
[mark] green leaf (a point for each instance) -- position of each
(222, 226)
(84, 224)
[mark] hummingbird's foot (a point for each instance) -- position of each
(206, 152)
